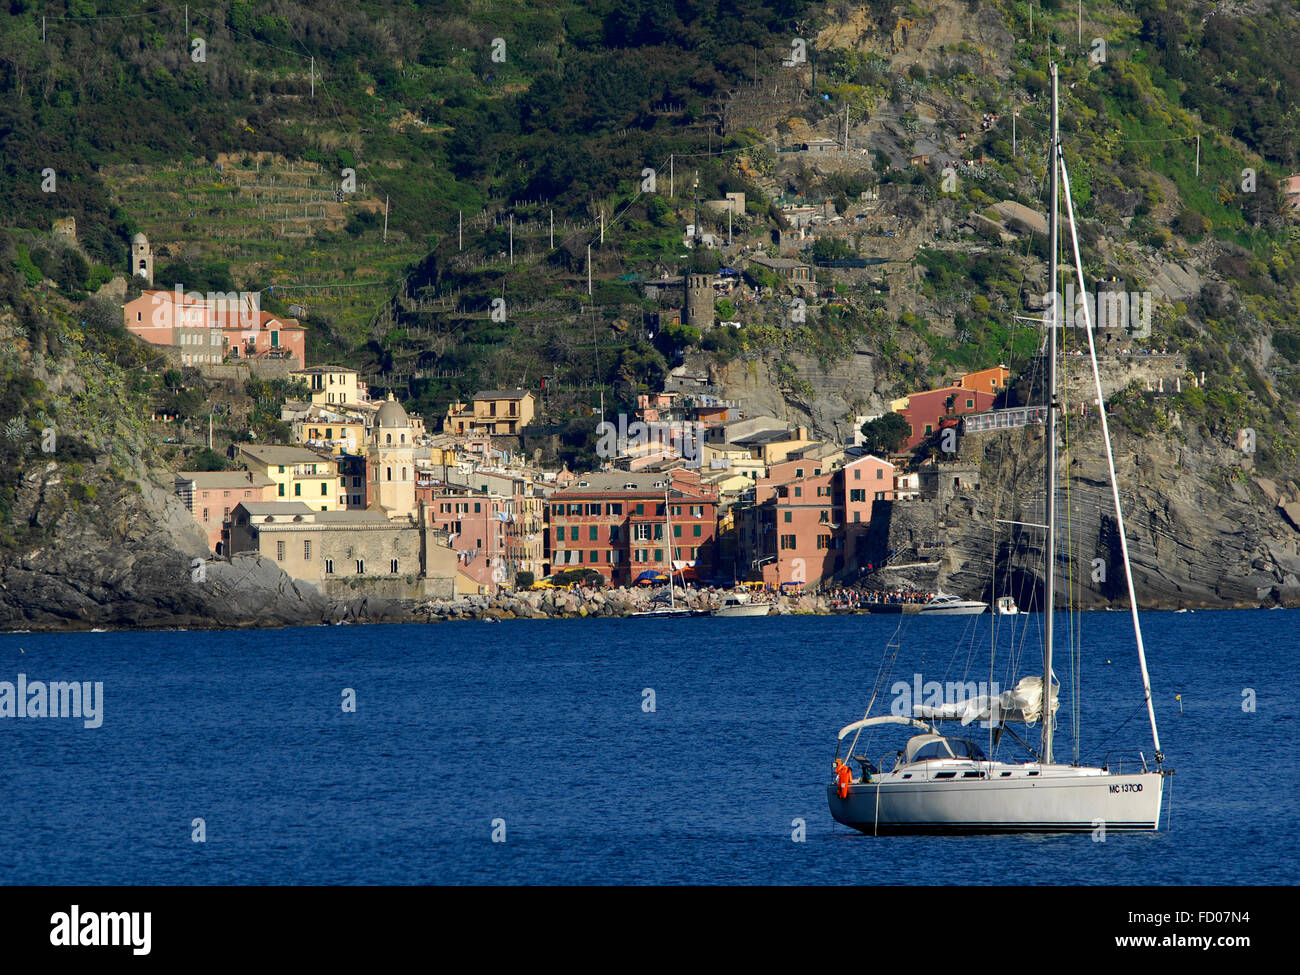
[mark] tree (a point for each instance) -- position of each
(886, 434)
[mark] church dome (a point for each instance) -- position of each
(139, 238)
(391, 414)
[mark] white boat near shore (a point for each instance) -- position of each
(946, 604)
(741, 605)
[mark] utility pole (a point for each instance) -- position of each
(460, 230)
(670, 176)
(313, 70)
(552, 229)
(512, 239)
(588, 270)
(385, 218)
(602, 226)
(1198, 155)
(1014, 115)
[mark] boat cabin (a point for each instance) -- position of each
(929, 748)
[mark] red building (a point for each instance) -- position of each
(620, 524)
(925, 410)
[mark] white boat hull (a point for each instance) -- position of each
(747, 610)
(1059, 799)
(956, 609)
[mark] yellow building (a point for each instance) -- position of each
(330, 432)
(333, 385)
(298, 474)
(496, 412)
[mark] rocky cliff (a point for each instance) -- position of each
(1201, 532)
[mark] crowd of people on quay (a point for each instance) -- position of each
(862, 598)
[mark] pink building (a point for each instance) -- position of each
(214, 328)
(477, 524)
(211, 495)
(807, 523)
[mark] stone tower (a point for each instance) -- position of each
(699, 301)
(142, 258)
(391, 461)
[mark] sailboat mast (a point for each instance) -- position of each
(1049, 496)
(668, 540)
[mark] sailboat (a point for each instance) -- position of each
(945, 783)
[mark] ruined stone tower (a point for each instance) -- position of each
(698, 311)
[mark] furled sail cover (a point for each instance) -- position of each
(1023, 703)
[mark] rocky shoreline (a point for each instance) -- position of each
(583, 603)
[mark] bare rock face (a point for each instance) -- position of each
(1192, 540)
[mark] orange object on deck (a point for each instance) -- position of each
(845, 776)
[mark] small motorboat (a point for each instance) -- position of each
(742, 604)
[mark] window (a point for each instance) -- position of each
(356, 482)
(595, 557)
(823, 541)
(559, 534)
(478, 507)
(324, 489)
(593, 509)
(823, 517)
(281, 468)
(592, 533)
(787, 541)
(698, 530)
(659, 555)
(306, 550)
(297, 489)
(641, 532)
(857, 494)
(970, 403)
(281, 490)
(279, 551)
(329, 567)
(640, 509)
(857, 517)
(361, 567)
(614, 509)
(573, 533)
(880, 473)
(798, 492)
(788, 517)
(677, 531)
(205, 514)
(798, 472)
(392, 566)
(880, 496)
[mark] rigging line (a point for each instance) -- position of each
(1110, 464)
(882, 673)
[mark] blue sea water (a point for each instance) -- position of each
(543, 726)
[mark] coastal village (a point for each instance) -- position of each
(371, 498)
(693, 484)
